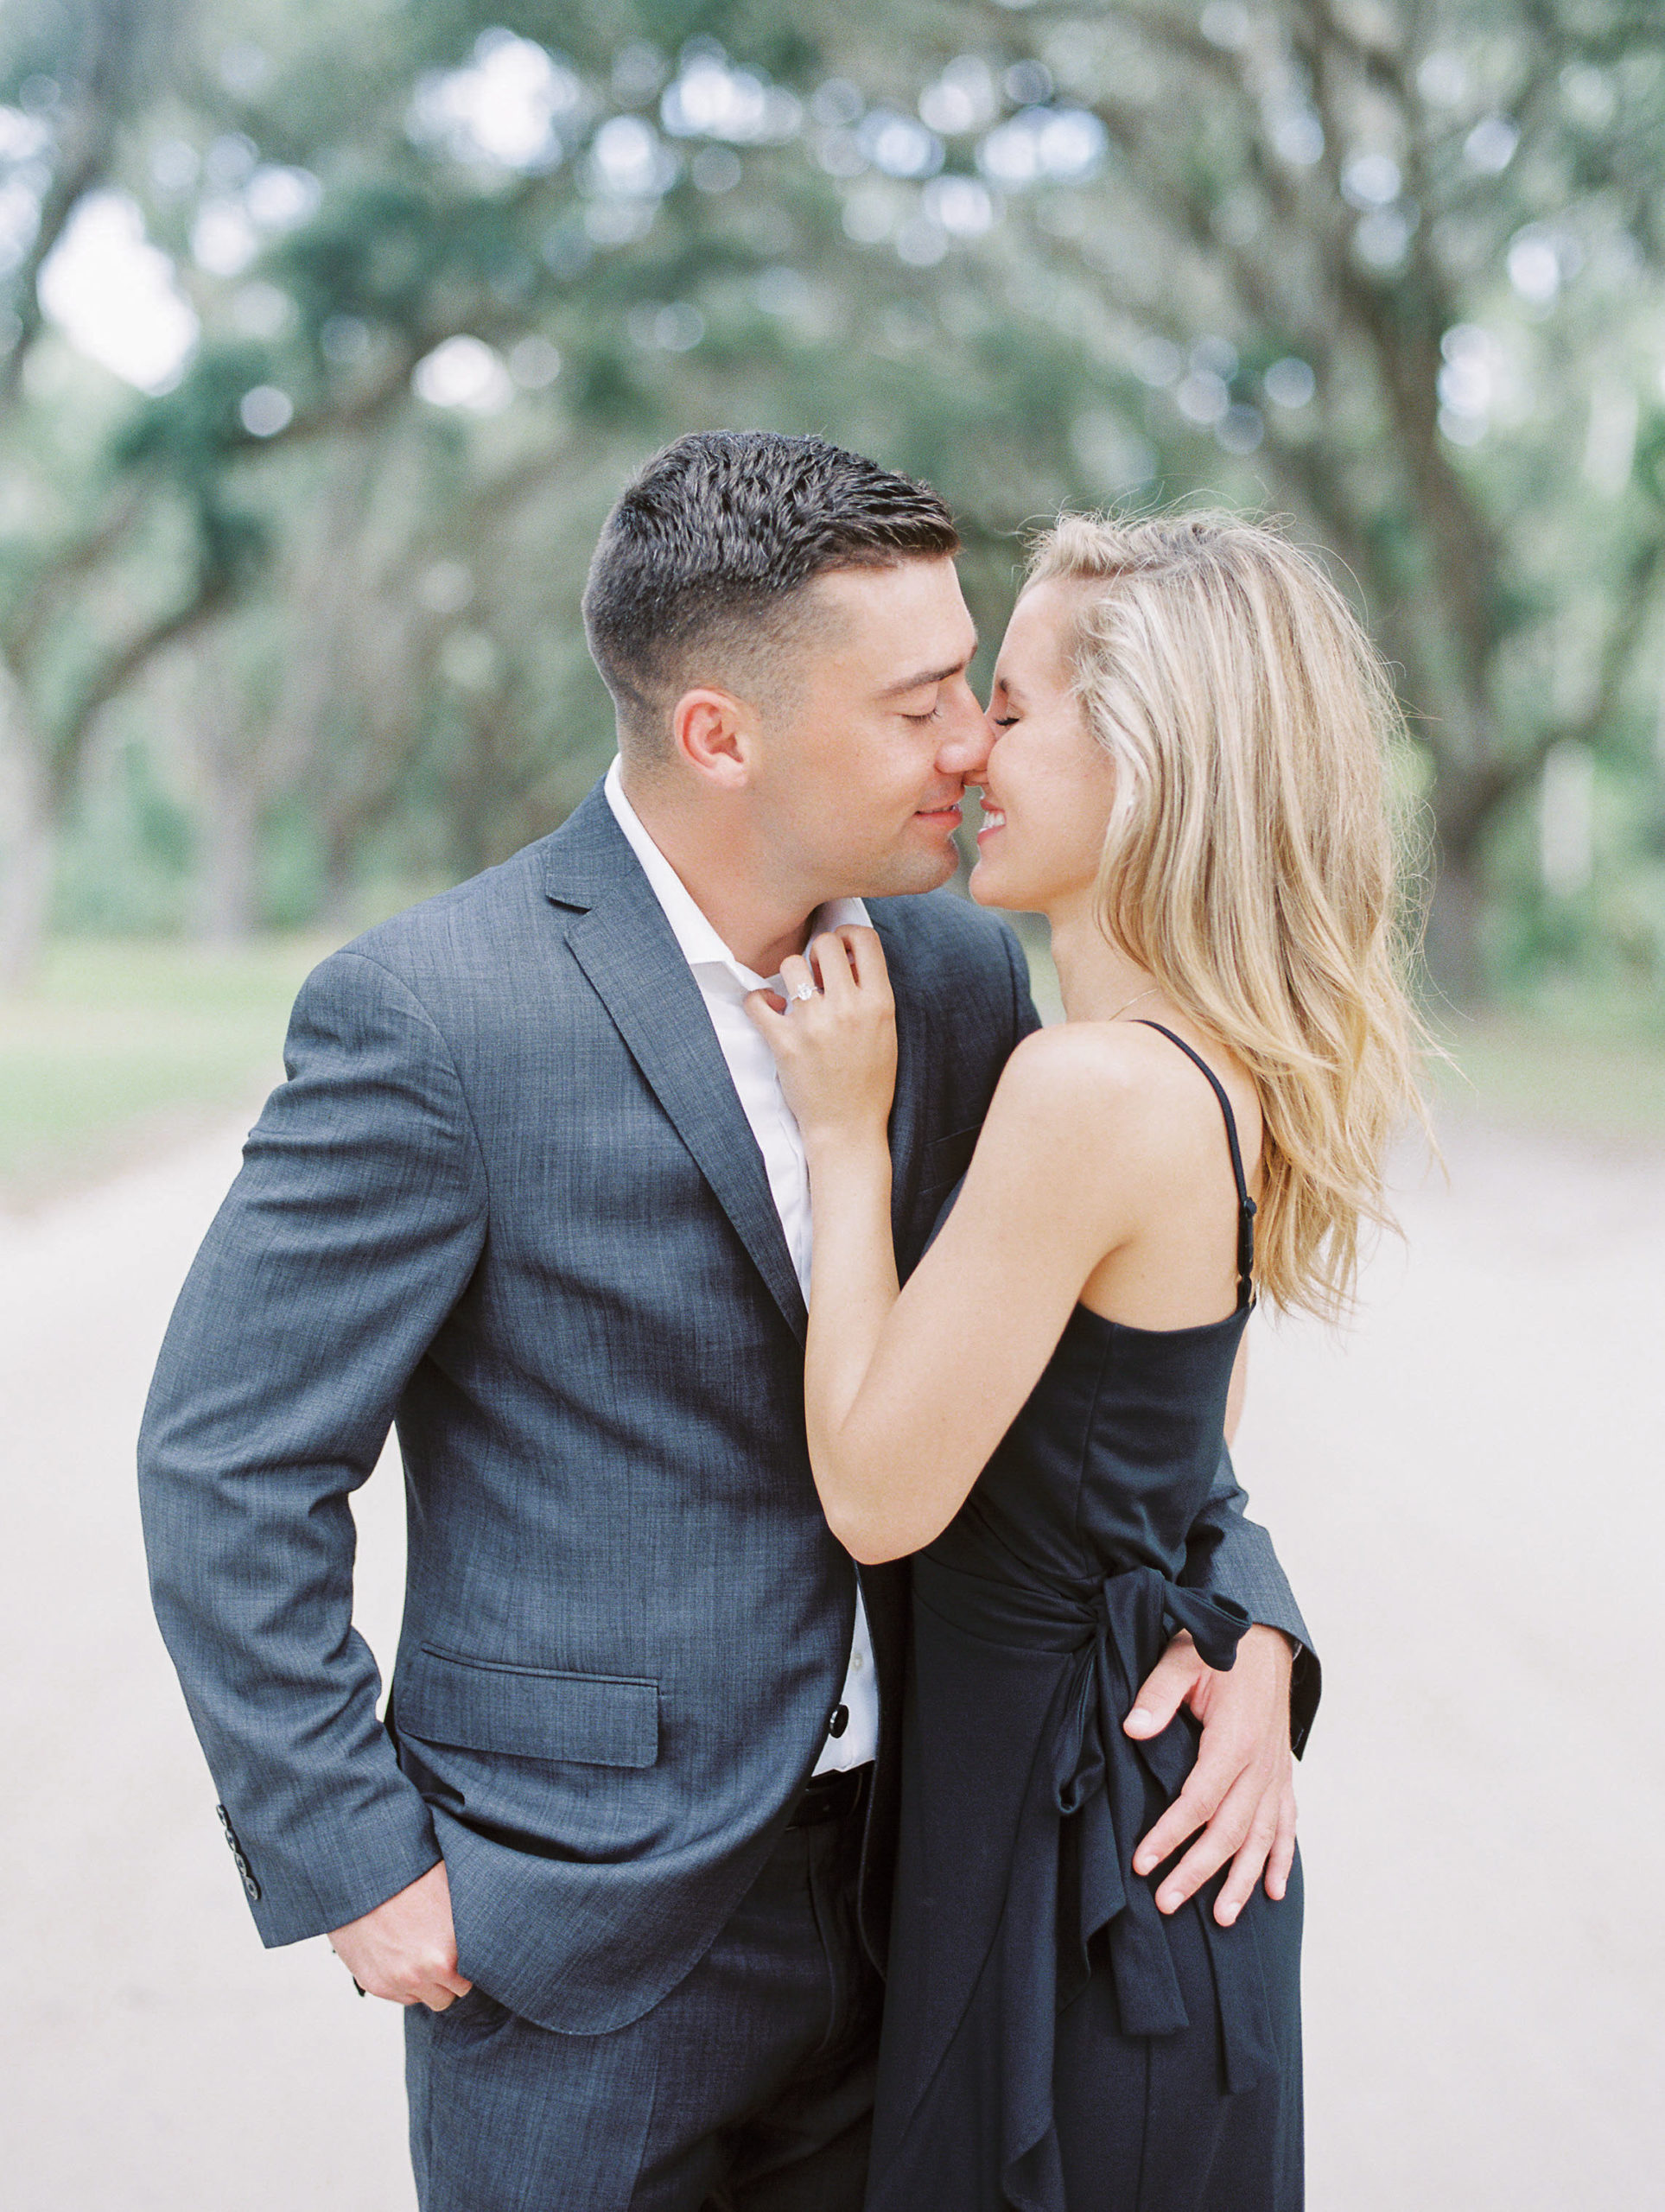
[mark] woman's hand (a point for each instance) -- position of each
(834, 1039)
(835, 1043)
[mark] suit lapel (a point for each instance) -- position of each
(626, 948)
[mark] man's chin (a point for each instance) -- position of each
(905, 875)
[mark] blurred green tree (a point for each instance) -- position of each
(96, 573)
(439, 281)
(1405, 261)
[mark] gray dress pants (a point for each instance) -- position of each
(747, 2089)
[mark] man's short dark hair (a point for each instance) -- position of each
(703, 567)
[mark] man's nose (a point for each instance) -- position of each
(967, 741)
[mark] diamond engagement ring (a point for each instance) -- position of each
(805, 991)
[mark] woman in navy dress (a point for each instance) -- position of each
(1187, 777)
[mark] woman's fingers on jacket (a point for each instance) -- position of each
(867, 959)
(831, 963)
(836, 965)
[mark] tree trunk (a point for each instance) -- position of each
(29, 843)
(336, 903)
(226, 905)
(1454, 944)
(26, 899)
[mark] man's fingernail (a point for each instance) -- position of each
(1169, 1901)
(1140, 1717)
(1226, 1915)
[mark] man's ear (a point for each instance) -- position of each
(712, 732)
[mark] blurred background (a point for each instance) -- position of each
(327, 335)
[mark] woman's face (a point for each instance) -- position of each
(1048, 788)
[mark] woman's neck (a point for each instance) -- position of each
(1097, 980)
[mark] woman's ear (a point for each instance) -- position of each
(711, 731)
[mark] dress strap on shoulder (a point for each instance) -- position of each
(1245, 1204)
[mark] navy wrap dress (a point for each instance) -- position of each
(1052, 2043)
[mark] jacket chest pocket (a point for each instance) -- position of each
(531, 1712)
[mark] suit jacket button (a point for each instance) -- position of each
(251, 1886)
(840, 1721)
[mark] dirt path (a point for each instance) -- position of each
(155, 2059)
(1469, 1497)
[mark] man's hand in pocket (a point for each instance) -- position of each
(406, 1949)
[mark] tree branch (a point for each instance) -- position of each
(119, 34)
(213, 593)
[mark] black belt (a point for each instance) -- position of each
(832, 1797)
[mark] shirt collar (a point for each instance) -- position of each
(698, 941)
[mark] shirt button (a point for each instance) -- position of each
(855, 1662)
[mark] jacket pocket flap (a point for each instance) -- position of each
(530, 1713)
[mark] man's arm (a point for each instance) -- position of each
(349, 1235)
(1233, 1557)
(1240, 1793)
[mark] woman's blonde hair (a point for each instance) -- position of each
(1250, 864)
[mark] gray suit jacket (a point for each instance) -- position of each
(507, 1198)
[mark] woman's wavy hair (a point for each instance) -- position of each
(1252, 860)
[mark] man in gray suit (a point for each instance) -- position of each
(621, 1846)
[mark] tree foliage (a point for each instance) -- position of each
(1391, 266)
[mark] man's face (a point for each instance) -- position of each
(857, 783)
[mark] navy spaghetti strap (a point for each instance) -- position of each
(1245, 1204)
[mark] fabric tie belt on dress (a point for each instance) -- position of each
(1089, 1777)
(1099, 1791)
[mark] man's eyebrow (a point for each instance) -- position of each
(930, 675)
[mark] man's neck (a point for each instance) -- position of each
(715, 862)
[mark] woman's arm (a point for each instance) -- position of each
(907, 1394)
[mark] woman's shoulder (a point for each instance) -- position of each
(1119, 1061)
(1109, 1090)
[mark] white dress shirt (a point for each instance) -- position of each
(724, 984)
